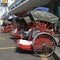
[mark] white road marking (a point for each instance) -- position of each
(6, 48)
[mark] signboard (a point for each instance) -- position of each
(4, 3)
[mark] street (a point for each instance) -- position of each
(8, 50)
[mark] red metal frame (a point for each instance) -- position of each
(43, 27)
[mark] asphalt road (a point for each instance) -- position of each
(8, 50)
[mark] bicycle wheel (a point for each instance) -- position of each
(43, 44)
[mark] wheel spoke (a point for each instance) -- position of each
(44, 45)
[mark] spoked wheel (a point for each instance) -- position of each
(43, 45)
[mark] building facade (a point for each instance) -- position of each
(4, 9)
(19, 6)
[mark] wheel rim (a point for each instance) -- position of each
(44, 45)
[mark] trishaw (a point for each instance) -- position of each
(40, 35)
(7, 27)
(9, 24)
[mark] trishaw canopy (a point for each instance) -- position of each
(44, 16)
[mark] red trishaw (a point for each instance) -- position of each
(9, 24)
(40, 35)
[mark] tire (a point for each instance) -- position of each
(43, 44)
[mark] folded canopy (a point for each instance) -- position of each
(44, 16)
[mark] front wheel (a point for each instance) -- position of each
(43, 45)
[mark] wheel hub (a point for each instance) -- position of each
(43, 45)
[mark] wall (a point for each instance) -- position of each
(10, 2)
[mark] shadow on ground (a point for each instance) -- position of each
(18, 50)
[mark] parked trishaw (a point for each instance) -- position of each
(39, 37)
(9, 24)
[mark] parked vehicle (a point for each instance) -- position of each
(9, 24)
(39, 37)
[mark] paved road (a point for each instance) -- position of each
(8, 47)
(8, 50)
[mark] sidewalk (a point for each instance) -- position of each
(57, 52)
